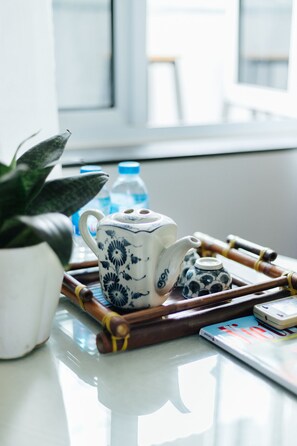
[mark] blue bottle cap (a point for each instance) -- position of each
(129, 167)
(90, 168)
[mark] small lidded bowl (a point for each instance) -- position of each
(207, 276)
(189, 261)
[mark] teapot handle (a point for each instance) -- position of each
(84, 230)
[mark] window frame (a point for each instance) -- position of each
(125, 124)
(91, 126)
(258, 98)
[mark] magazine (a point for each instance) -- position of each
(271, 351)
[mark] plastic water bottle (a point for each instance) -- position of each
(81, 252)
(129, 190)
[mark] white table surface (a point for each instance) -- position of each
(184, 392)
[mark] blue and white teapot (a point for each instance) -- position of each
(138, 255)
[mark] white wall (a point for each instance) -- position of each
(250, 195)
(27, 82)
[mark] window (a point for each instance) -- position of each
(262, 75)
(185, 62)
(84, 70)
(263, 53)
(134, 71)
(92, 69)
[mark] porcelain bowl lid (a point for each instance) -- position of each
(208, 263)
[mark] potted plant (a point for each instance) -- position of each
(36, 241)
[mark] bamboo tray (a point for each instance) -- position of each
(179, 317)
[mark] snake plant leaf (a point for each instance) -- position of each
(13, 161)
(53, 228)
(67, 195)
(46, 152)
(14, 234)
(33, 181)
(18, 187)
(4, 169)
(13, 193)
(35, 210)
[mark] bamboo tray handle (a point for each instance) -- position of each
(265, 253)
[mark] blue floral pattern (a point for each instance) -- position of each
(109, 279)
(117, 265)
(117, 253)
(117, 294)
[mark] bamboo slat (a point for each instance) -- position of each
(174, 327)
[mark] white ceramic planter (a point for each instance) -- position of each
(31, 281)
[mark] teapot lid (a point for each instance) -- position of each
(137, 220)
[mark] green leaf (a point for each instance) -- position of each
(46, 152)
(13, 161)
(33, 181)
(18, 188)
(53, 228)
(14, 234)
(13, 193)
(67, 195)
(4, 169)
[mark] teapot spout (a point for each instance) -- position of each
(169, 263)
